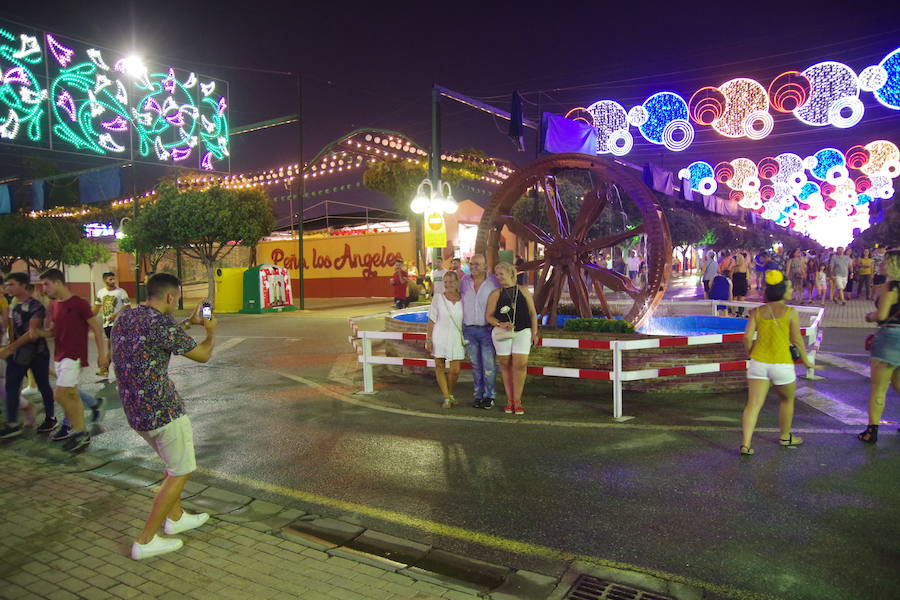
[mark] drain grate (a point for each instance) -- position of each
(588, 587)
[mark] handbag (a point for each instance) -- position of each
(499, 334)
(794, 350)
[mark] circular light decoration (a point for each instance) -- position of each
(758, 124)
(608, 116)
(790, 171)
(789, 91)
(846, 112)
(736, 195)
(862, 184)
(662, 108)
(723, 172)
(767, 167)
(706, 105)
(856, 157)
(745, 175)
(821, 163)
(670, 130)
(872, 78)
(619, 142)
(864, 199)
(638, 115)
(579, 114)
(845, 191)
(743, 97)
(767, 192)
(881, 187)
(808, 191)
(882, 155)
(889, 93)
(701, 176)
(751, 200)
(830, 81)
(828, 188)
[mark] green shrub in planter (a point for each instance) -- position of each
(599, 325)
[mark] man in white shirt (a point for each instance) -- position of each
(475, 289)
(109, 303)
(437, 277)
(634, 265)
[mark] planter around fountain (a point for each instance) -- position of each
(648, 358)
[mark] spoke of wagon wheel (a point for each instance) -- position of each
(556, 288)
(598, 289)
(526, 230)
(579, 293)
(611, 279)
(542, 288)
(556, 212)
(531, 265)
(591, 209)
(610, 240)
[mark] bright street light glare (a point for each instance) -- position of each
(133, 65)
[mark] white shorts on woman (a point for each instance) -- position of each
(519, 343)
(777, 373)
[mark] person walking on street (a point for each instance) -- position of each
(437, 277)
(634, 265)
(70, 319)
(110, 302)
(143, 341)
(510, 310)
(865, 269)
(444, 339)
(710, 271)
(27, 351)
(885, 347)
(775, 327)
(739, 280)
(840, 273)
(475, 289)
(796, 272)
(759, 268)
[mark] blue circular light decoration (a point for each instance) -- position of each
(825, 160)
(863, 199)
(808, 189)
(662, 108)
(889, 93)
(702, 179)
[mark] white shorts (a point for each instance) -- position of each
(520, 343)
(840, 283)
(174, 443)
(777, 373)
(68, 372)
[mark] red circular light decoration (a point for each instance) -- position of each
(862, 184)
(789, 91)
(857, 157)
(768, 167)
(736, 195)
(723, 172)
(767, 192)
(581, 114)
(830, 203)
(803, 206)
(706, 105)
(827, 188)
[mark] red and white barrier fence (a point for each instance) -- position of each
(362, 340)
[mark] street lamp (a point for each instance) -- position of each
(431, 198)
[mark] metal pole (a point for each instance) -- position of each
(137, 254)
(179, 274)
(301, 190)
(434, 165)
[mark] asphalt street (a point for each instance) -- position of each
(665, 491)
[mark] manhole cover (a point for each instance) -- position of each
(588, 587)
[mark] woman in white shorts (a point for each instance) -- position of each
(444, 339)
(775, 327)
(510, 309)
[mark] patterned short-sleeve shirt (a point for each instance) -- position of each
(143, 342)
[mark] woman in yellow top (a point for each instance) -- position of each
(865, 270)
(775, 327)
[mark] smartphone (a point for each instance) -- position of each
(206, 311)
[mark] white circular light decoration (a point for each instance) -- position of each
(743, 97)
(810, 163)
(872, 78)
(668, 135)
(788, 164)
(830, 81)
(797, 181)
(758, 124)
(881, 154)
(609, 116)
(620, 142)
(708, 186)
(892, 168)
(684, 174)
(745, 172)
(837, 109)
(837, 174)
(638, 115)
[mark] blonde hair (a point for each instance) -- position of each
(508, 267)
(892, 265)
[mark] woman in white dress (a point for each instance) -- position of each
(444, 339)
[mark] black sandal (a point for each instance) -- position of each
(791, 441)
(747, 451)
(870, 435)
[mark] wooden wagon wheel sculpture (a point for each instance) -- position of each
(568, 245)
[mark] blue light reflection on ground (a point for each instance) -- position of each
(693, 325)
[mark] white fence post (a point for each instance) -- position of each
(368, 376)
(617, 379)
(812, 342)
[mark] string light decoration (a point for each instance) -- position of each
(743, 98)
(830, 82)
(706, 105)
(789, 91)
(826, 208)
(608, 117)
(59, 93)
(888, 93)
(701, 176)
(662, 109)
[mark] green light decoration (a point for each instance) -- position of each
(109, 108)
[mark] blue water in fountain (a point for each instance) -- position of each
(692, 325)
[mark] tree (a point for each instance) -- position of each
(11, 241)
(84, 252)
(399, 179)
(206, 225)
(43, 241)
(687, 229)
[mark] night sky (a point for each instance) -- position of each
(373, 63)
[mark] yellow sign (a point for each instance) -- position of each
(351, 256)
(435, 231)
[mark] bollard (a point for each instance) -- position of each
(368, 376)
(617, 379)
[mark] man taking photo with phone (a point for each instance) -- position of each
(143, 341)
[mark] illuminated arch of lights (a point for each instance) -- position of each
(821, 195)
(824, 94)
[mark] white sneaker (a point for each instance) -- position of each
(158, 545)
(186, 522)
(31, 391)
